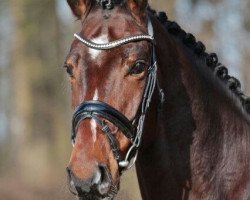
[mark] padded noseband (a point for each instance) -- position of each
(88, 109)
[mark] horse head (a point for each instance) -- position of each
(112, 79)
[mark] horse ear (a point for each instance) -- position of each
(78, 7)
(138, 8)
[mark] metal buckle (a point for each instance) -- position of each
(127, 164)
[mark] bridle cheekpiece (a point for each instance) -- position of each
(100, 111)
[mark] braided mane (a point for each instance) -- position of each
(212, 62)
(198, 48)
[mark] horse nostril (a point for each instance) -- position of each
(100, 182)
(72, 186)
(68, 170)
(103, 180)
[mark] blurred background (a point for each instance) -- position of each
(35, 113)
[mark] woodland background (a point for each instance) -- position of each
(35, 113)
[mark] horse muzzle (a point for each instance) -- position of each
(99, 186)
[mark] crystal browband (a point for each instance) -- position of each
(115, 43)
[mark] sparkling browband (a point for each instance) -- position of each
(115, 43)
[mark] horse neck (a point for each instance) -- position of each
(196, 127)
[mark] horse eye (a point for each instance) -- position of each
(138, 68)
(69, 70)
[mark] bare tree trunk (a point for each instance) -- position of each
(38, 112)
(246, 70)
(21, 99)
(5, 39)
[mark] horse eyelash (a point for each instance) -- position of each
(130, 67)
(69, 69)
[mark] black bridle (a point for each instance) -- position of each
(100, 111)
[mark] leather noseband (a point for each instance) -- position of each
(98, 111)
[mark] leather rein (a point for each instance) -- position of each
(100, 111)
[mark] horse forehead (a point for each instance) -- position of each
(101, 39)
(115, 23)
(104, 33)
(101, 29)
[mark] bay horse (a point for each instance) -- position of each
(146, 91)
